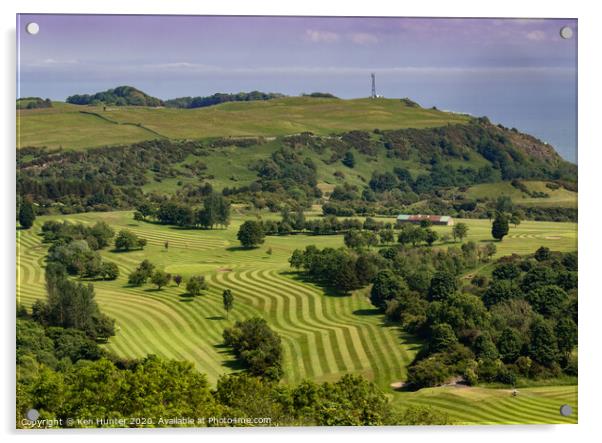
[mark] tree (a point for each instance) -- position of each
(387, 236)
(137, 278)
(566, 333)
(177, 280)
(257, 346)
(251, 234)
(141, 274)
(429, 372)
(410, 234)
(509, 345)
(489, 251)
(102, 233)
(71, 305)
(27, 214)
(228, 299)
(354, 239)
(542, 254)
(547, 300)
(506, 271)
(160, 279)
(127, 240)
(349, 159)
(499, 228)
(430, 236)
(485, 348)
(499, 291)
(443, 285)
(504, 204)
(460, 230)
(216, 211)
(543, 347)
(515, 219)
(196, 285)
(299, 220)
(109, 271)
(442, 338)
(386, 286)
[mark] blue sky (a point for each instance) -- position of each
(519, 72)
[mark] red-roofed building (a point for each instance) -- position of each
(443, 220)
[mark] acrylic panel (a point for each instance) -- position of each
(295, 221)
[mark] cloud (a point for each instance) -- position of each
(363, 38)
(527, 21)
(536, 36)
(52, 61)
(176, 66)
(321, 36)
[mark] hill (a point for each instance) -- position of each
(429, 170)
(120, 96)
(364, 156)
(33, 103)
(76, 127)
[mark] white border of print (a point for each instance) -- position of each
(590, 162)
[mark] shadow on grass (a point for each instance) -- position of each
(153, 290)
(240, 248)
(370, 312)
(186, 297)
(125, 251)
(236, 364)
(413, 342)
(216, 317)
(304, 278)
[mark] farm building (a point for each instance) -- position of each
(444, 220)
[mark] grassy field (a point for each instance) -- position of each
(66, 126)
(324, 336)
(557, 197)
(475, 405)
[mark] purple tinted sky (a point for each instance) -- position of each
(517, 71)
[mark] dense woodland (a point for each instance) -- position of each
(521, 322)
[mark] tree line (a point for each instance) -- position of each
(217, 98)
(214, 212)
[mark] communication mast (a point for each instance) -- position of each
(373, 85)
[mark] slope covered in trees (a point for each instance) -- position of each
(431, 170)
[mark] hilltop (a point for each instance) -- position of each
(120, 96)
(79, 127)
(350, 156)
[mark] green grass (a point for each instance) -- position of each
(558, 197)
(324, 336)
(65, 126)
(477, 405)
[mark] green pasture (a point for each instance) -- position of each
(66, 126)
(557, 197)
(324, 335)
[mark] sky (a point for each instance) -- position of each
(518, 72)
